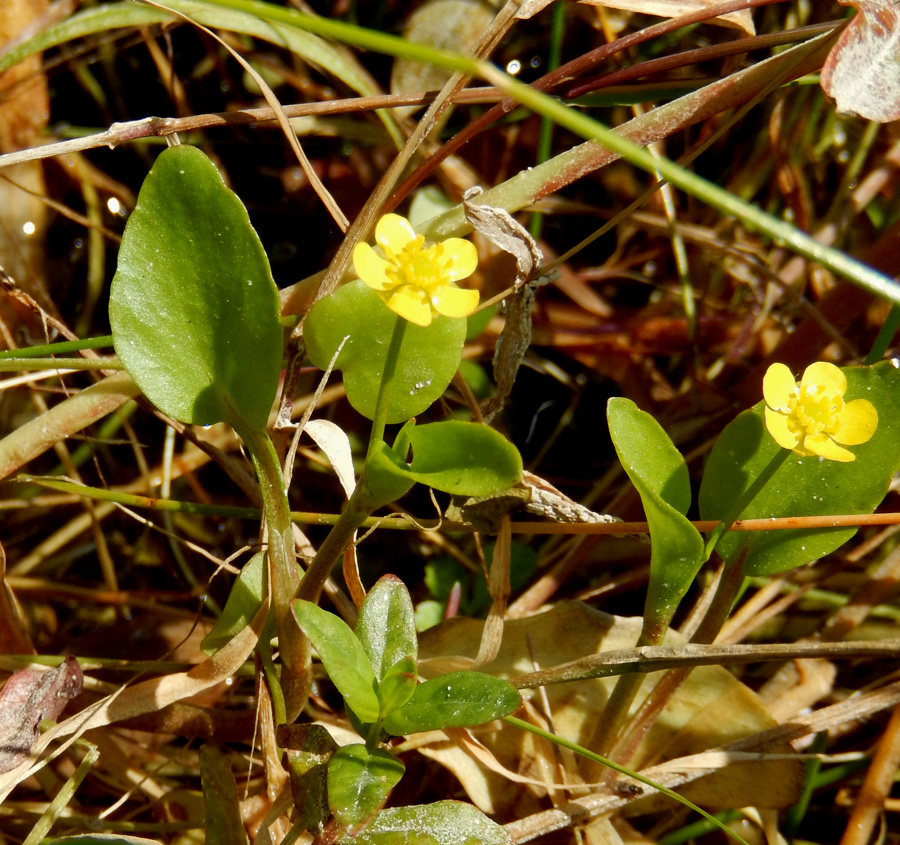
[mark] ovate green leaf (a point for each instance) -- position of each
(443, 823)
(809, 486)
(359, 782)
(398, 685)
(454, 700)
(386, 626)
(193, 307)
(342, 656)
(429, 355)
(453, 456)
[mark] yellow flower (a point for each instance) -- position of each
(811, 417)
(416, 280)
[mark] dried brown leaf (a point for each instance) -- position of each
(27, 699)
(663, 8)
(862, 71)
(711, 709)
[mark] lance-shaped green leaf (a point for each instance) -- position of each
(386, 627)
(308, 750)
(802, 486)
(453, 456)
(244, 600)
(342, 656)
(454, 700)
(442, 823)
(658, 472)
(223, 816)
(359, 782)
(428, 359)
(193, 307)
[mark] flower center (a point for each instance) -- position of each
(418, 266)
(814, 410)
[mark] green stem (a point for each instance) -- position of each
(334, 545)
(727, 591)
(264, 650)
(61, 348)
(361, 504)
(545, 139)
(292, 643)
(616, 710)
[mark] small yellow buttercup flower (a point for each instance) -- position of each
(416, 281)
(812, 418)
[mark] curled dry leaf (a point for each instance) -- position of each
(505, 232)
(862, 71)
(662, 8)
(333, 441)
(27, 699)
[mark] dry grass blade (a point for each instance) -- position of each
(128, 522)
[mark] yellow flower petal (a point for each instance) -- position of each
(820, 444)
(393, 233)
(370, 267)
(454, 302)
(823, 374)
(778, 428)
(778, 387)
(408, 305)
(857, 424)
(461, 259)
(415, 279)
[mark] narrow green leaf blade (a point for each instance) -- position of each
(386, 626)
(244, 600)
(454, 700)
(359, 782)
(193, 307)
(342, 656)
(223, 818)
